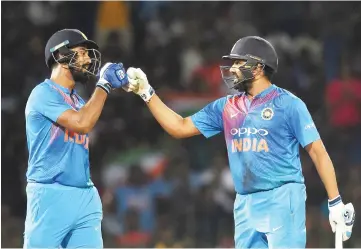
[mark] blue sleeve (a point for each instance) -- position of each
(209, 120)
(301, 124)
(48, 102)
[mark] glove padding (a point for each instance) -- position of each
(112, 75)
(138, 83)
(341, 217)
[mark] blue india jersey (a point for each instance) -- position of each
(56, 154)
(262, 136)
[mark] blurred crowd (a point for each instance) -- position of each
(157, 191)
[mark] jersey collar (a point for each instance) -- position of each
(64, 89)
(264, 92)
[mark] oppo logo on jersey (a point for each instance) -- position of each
(74, 137)
(246, 144)
(248, 131)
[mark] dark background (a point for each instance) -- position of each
(179, 192)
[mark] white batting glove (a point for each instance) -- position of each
(341, 217)
(138, 83)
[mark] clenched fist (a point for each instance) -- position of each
(138, 83)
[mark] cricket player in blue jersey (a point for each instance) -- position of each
(263, 126)
(63, 206)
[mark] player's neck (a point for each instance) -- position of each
(63, 79)
(258, 86)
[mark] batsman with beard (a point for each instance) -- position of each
(263, 127)
(63, 206)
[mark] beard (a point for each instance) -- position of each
(82, 77)
(244, 86)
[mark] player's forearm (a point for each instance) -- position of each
(327, 174)
(90, 112)
(170, 121)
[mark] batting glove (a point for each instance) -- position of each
(138, 83)
(112, 75)
(341, 217)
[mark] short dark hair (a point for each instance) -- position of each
(53, 65)
(268, 72)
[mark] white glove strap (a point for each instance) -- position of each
(334, 201)
(147, 94)
(105, 85)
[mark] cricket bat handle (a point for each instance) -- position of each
(338, 238)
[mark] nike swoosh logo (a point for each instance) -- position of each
(277, 228)
(234, 115)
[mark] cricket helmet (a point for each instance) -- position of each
(61, 42)
(254, 50)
